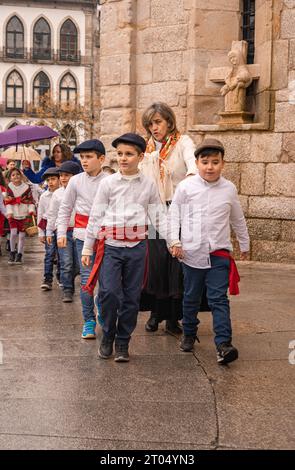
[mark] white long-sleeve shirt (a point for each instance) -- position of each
(44, 203)
(205, 212)
(79, 196)
(124, 201)
(53, 212)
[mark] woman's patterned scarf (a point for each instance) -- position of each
(168, 145)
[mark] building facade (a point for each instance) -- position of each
(177, 51)
(46, 47)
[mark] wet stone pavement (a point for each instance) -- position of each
(56, 394)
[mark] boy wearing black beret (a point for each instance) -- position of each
(118, 219)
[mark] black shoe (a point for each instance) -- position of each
(152, 324)
(173, 328)
(18, 259)
(106, 348)
(46, 285)
(187, 343)
(12, 255)
(121, 353)
(226, 353)
(67, 297)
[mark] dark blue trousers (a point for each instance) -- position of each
(216, 280)
(120, 284)
(69, 264)
(50, 254)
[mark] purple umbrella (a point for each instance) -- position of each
(25, 134)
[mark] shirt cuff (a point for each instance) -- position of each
(87, 251)
(175, 243)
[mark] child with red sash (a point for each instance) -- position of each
(19, 206)
(69, 266)
(51, 176)
(118, 219)
(203, 209)
(79, 197)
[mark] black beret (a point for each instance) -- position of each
(53, 171)
(88, 145)
(130, 138)
(209, 144)
(69, 167)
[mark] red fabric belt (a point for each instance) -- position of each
(114, 233)
(81, 220)
(234, 277)
(42, 224)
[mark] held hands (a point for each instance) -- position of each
(176, 252)
(49, 240)
(62, 242)
(42, 239)
(86, 260)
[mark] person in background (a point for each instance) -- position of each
(60, 154)
(51, 176)
(19, 206)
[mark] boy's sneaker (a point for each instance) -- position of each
(46, 285)
(67, 297)
(89, 330)
(106, 348)
(187, 343)
(12, 255)
(18, 259)
(226, 353)
(121, 353)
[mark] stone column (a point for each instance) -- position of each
(117, 69)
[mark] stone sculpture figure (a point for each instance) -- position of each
(236, 81)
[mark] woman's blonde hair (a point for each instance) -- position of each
(165, 112)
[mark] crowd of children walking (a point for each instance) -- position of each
(96, 225)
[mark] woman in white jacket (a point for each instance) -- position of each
(169, 158)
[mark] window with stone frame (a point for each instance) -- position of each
(14, 39)
(248, 28)
(42, 40)
(68, 89)
(41, 88)
(14, 93)
(68, 42)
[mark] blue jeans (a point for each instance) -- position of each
(69, 266)
(216, 280)
(50, 254)
(87, 300)
(120, 284)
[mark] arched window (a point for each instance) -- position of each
(68, 41)
(68, 136)
(15, 38)
(42, 40)
(248, 26)
(14, 93)
(41, 88)
(68, 89)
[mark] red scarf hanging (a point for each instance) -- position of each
(167, 146)
(234, 277)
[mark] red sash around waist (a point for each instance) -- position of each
(234, 277)
(81, 220)
(126, 234)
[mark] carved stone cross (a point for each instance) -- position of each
(236, 79)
